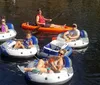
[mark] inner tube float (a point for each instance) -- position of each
(8, 35)
(81, 42)
(51, 78)
(52, 49)
(8, 49)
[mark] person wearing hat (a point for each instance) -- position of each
(72, 34)
(3, 26)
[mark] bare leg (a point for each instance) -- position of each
(58, 26)
(19, 45)
(41, 66)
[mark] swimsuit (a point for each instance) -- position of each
(27, 42)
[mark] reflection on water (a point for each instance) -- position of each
(86, 13)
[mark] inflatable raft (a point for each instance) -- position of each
(82, 41)
(51, 78)
(10, 34)
(45, 29)
(52, 49)
(8, 49)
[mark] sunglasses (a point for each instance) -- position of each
(61, 54)
(3, 21)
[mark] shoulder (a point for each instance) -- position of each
(37, 16)
(77, 30)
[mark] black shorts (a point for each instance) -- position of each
(46, 25)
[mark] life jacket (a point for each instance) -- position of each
(41, 19)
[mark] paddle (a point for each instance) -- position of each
(58, 15)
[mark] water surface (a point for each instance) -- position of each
(85, 13)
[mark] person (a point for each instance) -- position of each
(53, 64)
(42, 21)
(3, 26)
(72, 34)
(27, 42)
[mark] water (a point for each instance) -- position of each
(86, 13)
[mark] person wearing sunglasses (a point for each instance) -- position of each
(3, 26)
(53, 64)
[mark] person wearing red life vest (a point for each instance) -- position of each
(42, 21)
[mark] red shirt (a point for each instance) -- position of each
(41, 19)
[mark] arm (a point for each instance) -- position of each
(60, 64)
(6, 28)
(53, 66)
(30, 42)
(48, 19)
(66, 36)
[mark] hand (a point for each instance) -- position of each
(57, 71)
(50, 19)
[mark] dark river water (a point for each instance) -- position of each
(85, 13)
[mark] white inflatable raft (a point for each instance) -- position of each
(51, 78)
(83, 41)
(52, 49)
(8, 49)
(9, 35)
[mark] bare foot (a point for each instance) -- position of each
(64, 25)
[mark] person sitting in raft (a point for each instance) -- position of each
(53, 64)
(42, 21)
(27, 42)
(3, 26)
(72, 34)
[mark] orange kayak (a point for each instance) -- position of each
(45, 29)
